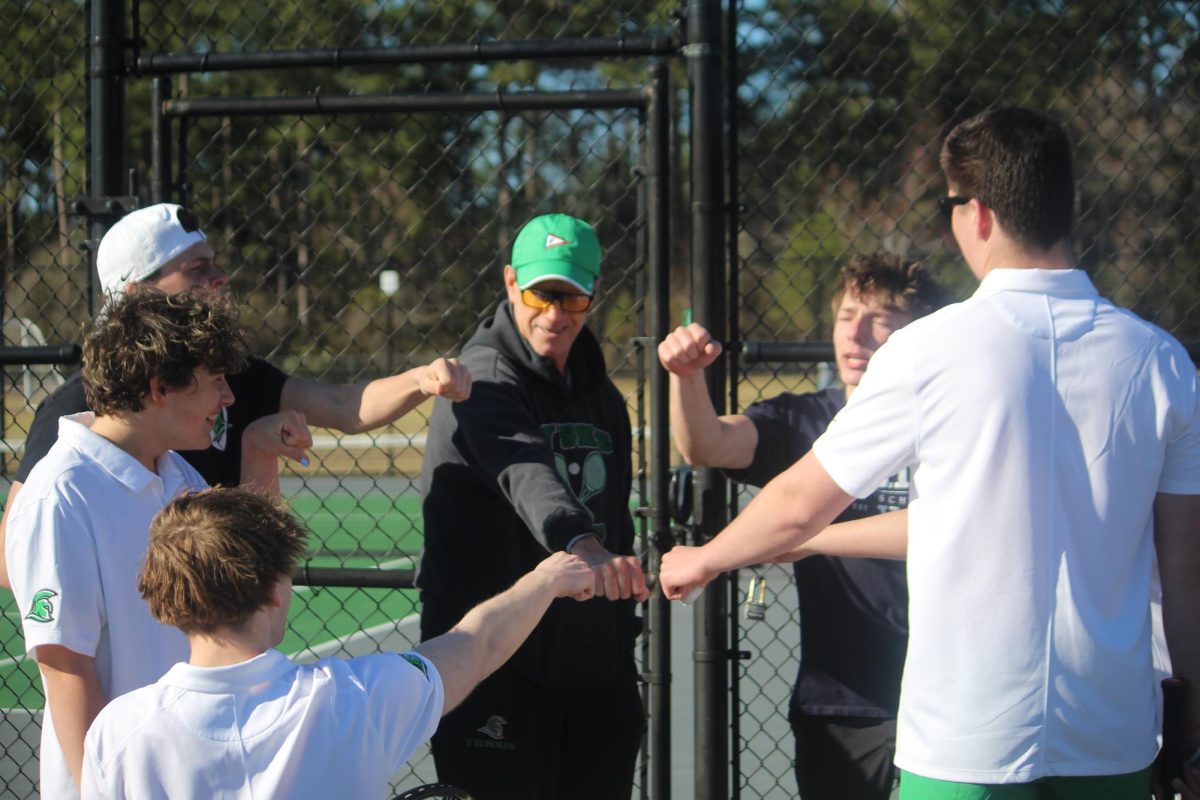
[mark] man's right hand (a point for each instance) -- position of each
(616, 577)
(569, 575)
(688, 349)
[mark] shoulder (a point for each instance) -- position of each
(69, 398)
(487, 362)
(366, 674)
(63, 475)
(793, 407)
(1142, 332)
(123, 719)
(70, 391)
(258, 371)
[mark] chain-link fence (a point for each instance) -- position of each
(362, 243)
(367, 241)
(841, 108)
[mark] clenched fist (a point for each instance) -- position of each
(688, 349)
(447, 378)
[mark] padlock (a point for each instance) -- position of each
(756, 598)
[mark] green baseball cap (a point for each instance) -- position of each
(557, 247)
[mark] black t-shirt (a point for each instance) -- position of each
(853, 611)
(256, 393)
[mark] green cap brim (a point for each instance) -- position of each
(555, 269)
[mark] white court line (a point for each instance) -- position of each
(11, 661)
(372, 634)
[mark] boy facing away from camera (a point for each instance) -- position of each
(239, 719)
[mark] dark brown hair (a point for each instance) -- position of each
(145, 334)
(1018, 163)
(899, 282)
(214, 557)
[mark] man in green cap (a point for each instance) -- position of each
(538, 460)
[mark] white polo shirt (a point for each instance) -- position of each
(76, 536)
(265, 728)
(1040, 420)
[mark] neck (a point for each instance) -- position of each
(1008, 255)
(135, 439)
(225, 647)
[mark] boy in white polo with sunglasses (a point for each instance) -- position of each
(538, 460)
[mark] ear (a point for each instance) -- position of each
(510, 284)
(985, 220)
(596, 286)
(276, 598)
(157, 396)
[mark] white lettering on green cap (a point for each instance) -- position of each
(557, 247)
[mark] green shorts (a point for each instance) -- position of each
(1131, 786)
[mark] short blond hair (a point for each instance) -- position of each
(215, 556)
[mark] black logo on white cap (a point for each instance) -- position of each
(187, 220)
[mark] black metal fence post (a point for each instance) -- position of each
(659, 622)
(106, 110)
(703, 56)
(160, 144)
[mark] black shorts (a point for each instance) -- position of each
(511, 740)
(845, 757)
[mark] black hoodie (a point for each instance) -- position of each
(530, 461)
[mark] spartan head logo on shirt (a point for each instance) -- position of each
(579, 450)
(220, 430)
(494, 727)
(41, 609)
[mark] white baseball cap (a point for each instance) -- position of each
(142, 242)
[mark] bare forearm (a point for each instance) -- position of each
(879, 536)
(387, 399)
(74, 698)
(357, 407)
(260, 472)
(488, 636)
(789, 511)
(703, 438)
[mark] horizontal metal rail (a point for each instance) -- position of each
(814, 352)
(408, 102)
(470, 52)
(354, 577)
(41, 354)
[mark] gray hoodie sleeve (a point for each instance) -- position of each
(502, 440)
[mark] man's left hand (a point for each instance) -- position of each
(617, 577)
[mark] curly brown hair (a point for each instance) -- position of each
(145, 334)
(900, 282)
(214, 557)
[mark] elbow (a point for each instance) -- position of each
(694, 453)
(351, 425)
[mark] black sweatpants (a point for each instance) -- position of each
(511, 740)
(838, 758)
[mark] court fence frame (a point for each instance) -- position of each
(710, 48)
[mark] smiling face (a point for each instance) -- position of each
(189, 271)
(550, 332)
(861, 325)
(193, 409)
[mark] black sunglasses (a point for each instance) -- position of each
(946, 204)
